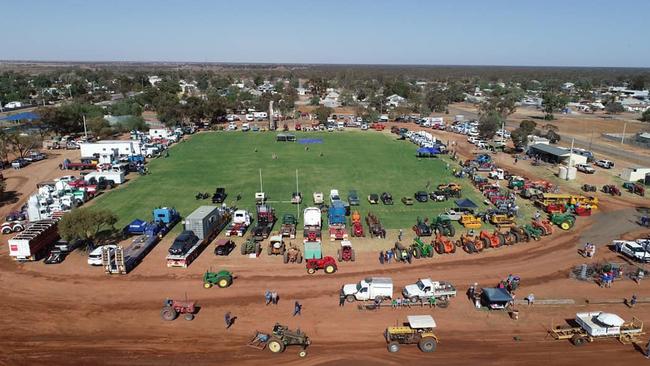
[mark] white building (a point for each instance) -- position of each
(154, 79)
(634, 174)
(110, 147)
(331, 100)
(395, 100)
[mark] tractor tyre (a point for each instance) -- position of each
(302, 353)
(352, 257)
(398, 252)
(258, 249)
(207, 285)
(339, 255)
(311, 270)
(578, 340)
(275, 345)
(470, 248)
(417, 253)
(502, 239)
(430, 251)
(189, 317)
(168, 313)
(480, 247)
(224, 282)
(393, 347)
(453, 249)
(427, 344)
(329, 269)
(516, 235)
(243, 249)
(451, 231)
(486, 242)
(286, 258)
(409, 258)
(565, 225)
(440, 248)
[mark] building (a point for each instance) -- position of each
(154, 79)
(331, 100)
(555, 154)
(634, 174)
(395, 100)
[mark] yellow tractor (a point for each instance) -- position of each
(418, 330)
(470, 221)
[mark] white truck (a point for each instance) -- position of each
(312, 224)
(636, 250)
(425, 288)
(334, 195)
(371, 288)
(241, 221)
(497, 174)
(115, 177)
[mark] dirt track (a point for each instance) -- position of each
(73, 314)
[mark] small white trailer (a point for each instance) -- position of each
(599, 324)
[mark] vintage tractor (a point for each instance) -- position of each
(328, 264)
(420, 249)
(470, 221)
(422, 227)
(375, 227)
(611, 189)
(172, 308)
(532, 232)
(581, 210)
(502, 221)
(634, 188)
(276, 245)
(544, 225)
(491, 240)
(443, 244)
(509, 238)
(402, 253)
(565, 221)
(443, 226)
(418, 330)
(292, 255)
(450, 189)
(279, 339)
(288, 228)
(251, 246)
(346, 252)
(589, 188)
(357, 227)
(553, 208)
(520, 234)
(222, 279)
(470, 243)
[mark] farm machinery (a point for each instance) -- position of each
(375, 227)
(276, 245)
(420, 249)
(502, 220)
(402, 253)
(450, 190)
(172, 308)
(599, 325)
(292, 255)
(443, 245)
(327, 264)
(470, 243)
(279, 339)
(470, 221)
(544, 225)
(422, 228)
(288, 228)
(491, 240)
(589, 188)
(565, 220)
(346, 252)
(443, 226)
(611, 189)
(418, 330)
(221, 279)
(357, 227)
(250, 246)
(634, 188)
(265, 221)
(532, 232)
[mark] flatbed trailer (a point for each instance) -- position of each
(627, 333)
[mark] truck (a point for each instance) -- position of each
(241, 220)
(82, 165)
(336, 221)
(370, 288)
(115, 177)
(121, 260)
(312, 224)
(34, 241)
(204, 223)
(288, 228)
(425, 288)
(265, 220)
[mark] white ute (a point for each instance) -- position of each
(371, 288)
(426, 288)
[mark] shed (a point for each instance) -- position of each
(555, 154)
(634, 174)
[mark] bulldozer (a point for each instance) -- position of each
(491, 240)
(292, 254)
(470, 243)
(443, 226)
(470, 221)
(420, 249)
(565, 220)
(502, 221)
(544, 225)
(443, 244)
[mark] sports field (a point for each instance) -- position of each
(368, 162)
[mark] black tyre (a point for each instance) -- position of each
(168, 313)
(427, 344)
(578, 340)
(339, 255)
(189, 317)
(393, 347)
(350, 298)
(352, 256)
(502, 239)
(486, 242)
(451, 231)
(470, 248)
(275, 345)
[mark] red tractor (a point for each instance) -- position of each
(544, 225)
(328, 264)
(582, 211)
(443, 245)
(611, 189)
(552, 208)
(491, 240)
(357, 227)
(346, 253)
(172, 308)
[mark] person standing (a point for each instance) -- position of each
(274, 298)
(470, 292)
(531, 299)
(639, 276)
(227, 318)
(341, 298)
(381, 257)
(399, 237)
(297, 308)
(267, 297)
(633, 301)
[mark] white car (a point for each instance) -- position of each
(585, 168)
(633, 249)
(245, 126)
(250, 117)
(364, 126)
(95, 257)
(425, 288)
(451, 215)
(472, 140)
(232, 126)
(605, 164)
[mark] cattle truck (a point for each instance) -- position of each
(312, 224)
(205, 223)
(34, 241)
(145, 236)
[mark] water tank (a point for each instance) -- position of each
(563, 173)
(571, 173)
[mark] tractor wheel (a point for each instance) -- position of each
(502, 239)
(339, 255)
(470, 248)
(409, 258)
(302, 353)
(300, 258)
(311, 270)
(329, 269)
(427, 344)
(480, 247)
(565, 225)
(440, 248)
(224, 282)
(275, 345)
(430, 251)
(168, 313)
(453, 249)
(243, 249)
(207, 285)
(398, 252)
(286, 258)
(393, 347)
(189, 317)
(258, 249)
(352, 255)
(578, 340)
(451, 231)
(516, 235)
(486, 242)
(417, 253)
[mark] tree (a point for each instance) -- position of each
(614, 108)
(99, 127)
(502, 101)
(314, 100)
(489, 123)
(323, 113)
(436, 100)
(21, 144)
(520, 135)
(645, 116)
(551, 102)
(86, 224)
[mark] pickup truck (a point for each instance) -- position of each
(585, 168)
(633, 250)
(605, 164)
(425, 288)
(451, 215)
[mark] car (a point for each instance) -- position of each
(68, 246)
(605, 164)
(421, 196)
(255, 128)
(585, 168)
(452, 215)
(219, 195)
(364, 126)
(373, 198)
(35, 156)
(250, 117)
(232, 126)
(472, 139)
(183, 242)
(56, 256)
(407, 201)
(224, 247)
(633, 250)
(353, 198)
(95, 256)
(19, 163)
(387, 198)
(245, 126)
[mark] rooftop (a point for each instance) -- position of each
(553, 150)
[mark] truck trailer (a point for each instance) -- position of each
(336, 221)
(205, 223)
(34, 241)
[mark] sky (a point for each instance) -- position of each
(469, 32)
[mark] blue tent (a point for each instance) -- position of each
(21, 116)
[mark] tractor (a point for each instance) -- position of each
(292, 255)
(565, 220)
(420, 249)
(470, 243)
(589, 188)
(357, 227)
(418, 330)
(553, 208)
(450, 189)
(502, 221)
(443, 244)
(279, 339)
(443, 226)
(544, 225)
(491, 240)
(402, 254)
(374, 226)
(276, 245)
(222, 279)
(422, 227)
(328, 264)
(172, 308)
(532, 232)
(345, 253)
(509, 238)
(251, 246)
(634, 188)
(611, 189)
(581, 210)
(520, 234)
(470, 221)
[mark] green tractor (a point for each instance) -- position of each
(564, 220)
(222, 279)
(250, 247)
(443, 226)
(532, 232)
(419, 249)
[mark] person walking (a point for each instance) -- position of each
(538, 216)
(227, 318)
(274, 298)
(632, 301)
(341, 298)
(639, 276)
(381, 257)
(470, 292)
(399, 236)
(267, 297)
(389, 255)
(297, 308)
(531, 299)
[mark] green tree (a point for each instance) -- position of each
(489, 123)
(437, 100)
(314, 100)
(645, 116)
(87, 224)
(501, 101)
(551, 102)
(323, 113)
(20, 144)
(99, 127)
(614, 108)
(520, 135)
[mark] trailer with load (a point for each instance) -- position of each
(265, 221)
(370, 288)
(336, 221)
(599, 325)
(122, 260)
(200, 227)
(34, 241)
(425, 288)
(241, 221)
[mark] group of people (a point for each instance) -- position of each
(386, 257)
(271, 297)
(607, 278)
(589, 250)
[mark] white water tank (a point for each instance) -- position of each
(571, 173)
(563, 173)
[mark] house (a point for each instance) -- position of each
(266, 88)
(187, 87)
(331, 100)
(395, 100)
(302, 91)
(568, 87)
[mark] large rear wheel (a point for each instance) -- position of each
(224, 282)
(168, 313)
(329, 269)
(275, 345)
(427, 344)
